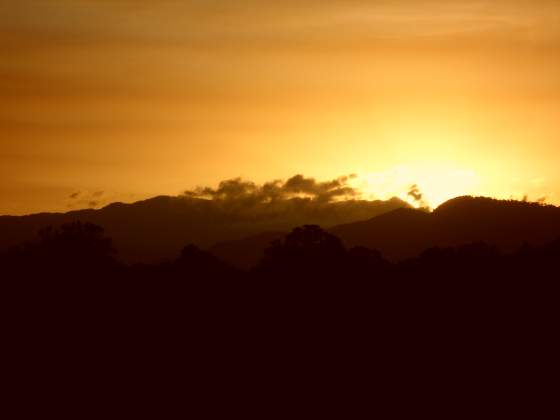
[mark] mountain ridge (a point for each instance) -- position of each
(157, 228)
(404, 233)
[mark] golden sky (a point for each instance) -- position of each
(125, 99)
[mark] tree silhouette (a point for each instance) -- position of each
(306, 251)
(71, 251)
(76, 239)
(198, 264)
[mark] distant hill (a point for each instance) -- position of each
(405, 232)
(397, 234)
(158, 228)
(245, 253)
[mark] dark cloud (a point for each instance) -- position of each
(297, 186)
(418, 197)
(322, 191)
(415, 193)
(298, 200)
(85, 199)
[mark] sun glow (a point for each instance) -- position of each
(420, 185)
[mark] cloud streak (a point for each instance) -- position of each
(282, 204)
(297, 186)
(85, 199)
(417, 196)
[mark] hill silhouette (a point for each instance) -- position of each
(506, 224)
(237, 232)
(309, 300)
(158, 228)
(406, 232)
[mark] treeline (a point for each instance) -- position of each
(80, 251)
(309, 269)
(310, 308)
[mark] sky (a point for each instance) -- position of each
(120, 100)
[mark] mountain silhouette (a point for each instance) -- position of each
(506, 224)
(245, 253)
(158, 228)
(405, 232)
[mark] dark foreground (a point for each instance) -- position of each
(311, 320)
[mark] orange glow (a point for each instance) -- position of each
(139, 100)
(437, 184)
